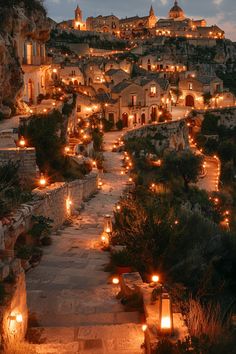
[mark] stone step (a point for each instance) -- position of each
(75, 320)
(114, 339)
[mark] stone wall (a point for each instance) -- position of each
(52, 202)
(60, 200)
(170, 135)
(27, 162)
(13, 331)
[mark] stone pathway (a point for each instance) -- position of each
(69, 294)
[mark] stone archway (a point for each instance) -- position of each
(125, 120)
(189, 101)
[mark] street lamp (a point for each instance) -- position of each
(42, 181)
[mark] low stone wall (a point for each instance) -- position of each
(27, 162)
(57, 202)
(60, 200)
(170, 135)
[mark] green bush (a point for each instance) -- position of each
(121, 258)
(108, 125)
(41, 227)
(24, 252)
(119, 124)
(46, 241)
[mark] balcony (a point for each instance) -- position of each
(37, 61)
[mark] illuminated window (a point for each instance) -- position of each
(133, 100)
(190, 86)
(153, 90)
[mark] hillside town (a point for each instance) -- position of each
(117, 183)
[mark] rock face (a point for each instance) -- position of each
(18, 23)
(171, 135)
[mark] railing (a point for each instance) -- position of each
(37, 61)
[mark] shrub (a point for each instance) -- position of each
(121, 258)
(119, 124)
(108, 125)
(46, 241)
(24, 252)
(41, 227)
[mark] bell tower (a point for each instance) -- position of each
(78, 14)
(152, 19)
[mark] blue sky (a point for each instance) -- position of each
(220, 12)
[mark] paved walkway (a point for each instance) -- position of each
(211, 180)
(69, 293)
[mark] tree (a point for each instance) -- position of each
(207, 98)
(184, 165)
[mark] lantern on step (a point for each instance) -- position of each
(108, 224)
(22, 142)
(42, 181)
(166, 315)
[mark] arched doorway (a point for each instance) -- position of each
(125, 120)
(154, 114)
(76, 83)
(189, 101)
(143, 119)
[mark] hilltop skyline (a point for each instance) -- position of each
(220, 12)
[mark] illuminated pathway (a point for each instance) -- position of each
(211, 180)
(69, 292)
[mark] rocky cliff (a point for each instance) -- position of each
(19, 20)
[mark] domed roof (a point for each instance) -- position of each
(176, 11)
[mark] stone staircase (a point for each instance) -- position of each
(72, 303)
(104, 339)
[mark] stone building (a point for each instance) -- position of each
(178, 25)
(134, 25)
(194, 88)
(157, 64)
(139, 101)
(35, 64)
(76, 23)
(106, 24)
(71, 75)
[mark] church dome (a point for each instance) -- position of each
(176, 11)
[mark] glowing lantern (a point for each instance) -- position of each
(107, 224)
(115, 281)
(166, 319)
(42, 181)
(100, 183)
(67, 149)
(118, 207)
(16, 317)
(94, 164)
(155, 278)
(22, 142)
(144, 327)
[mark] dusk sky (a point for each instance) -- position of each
(220, 12)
